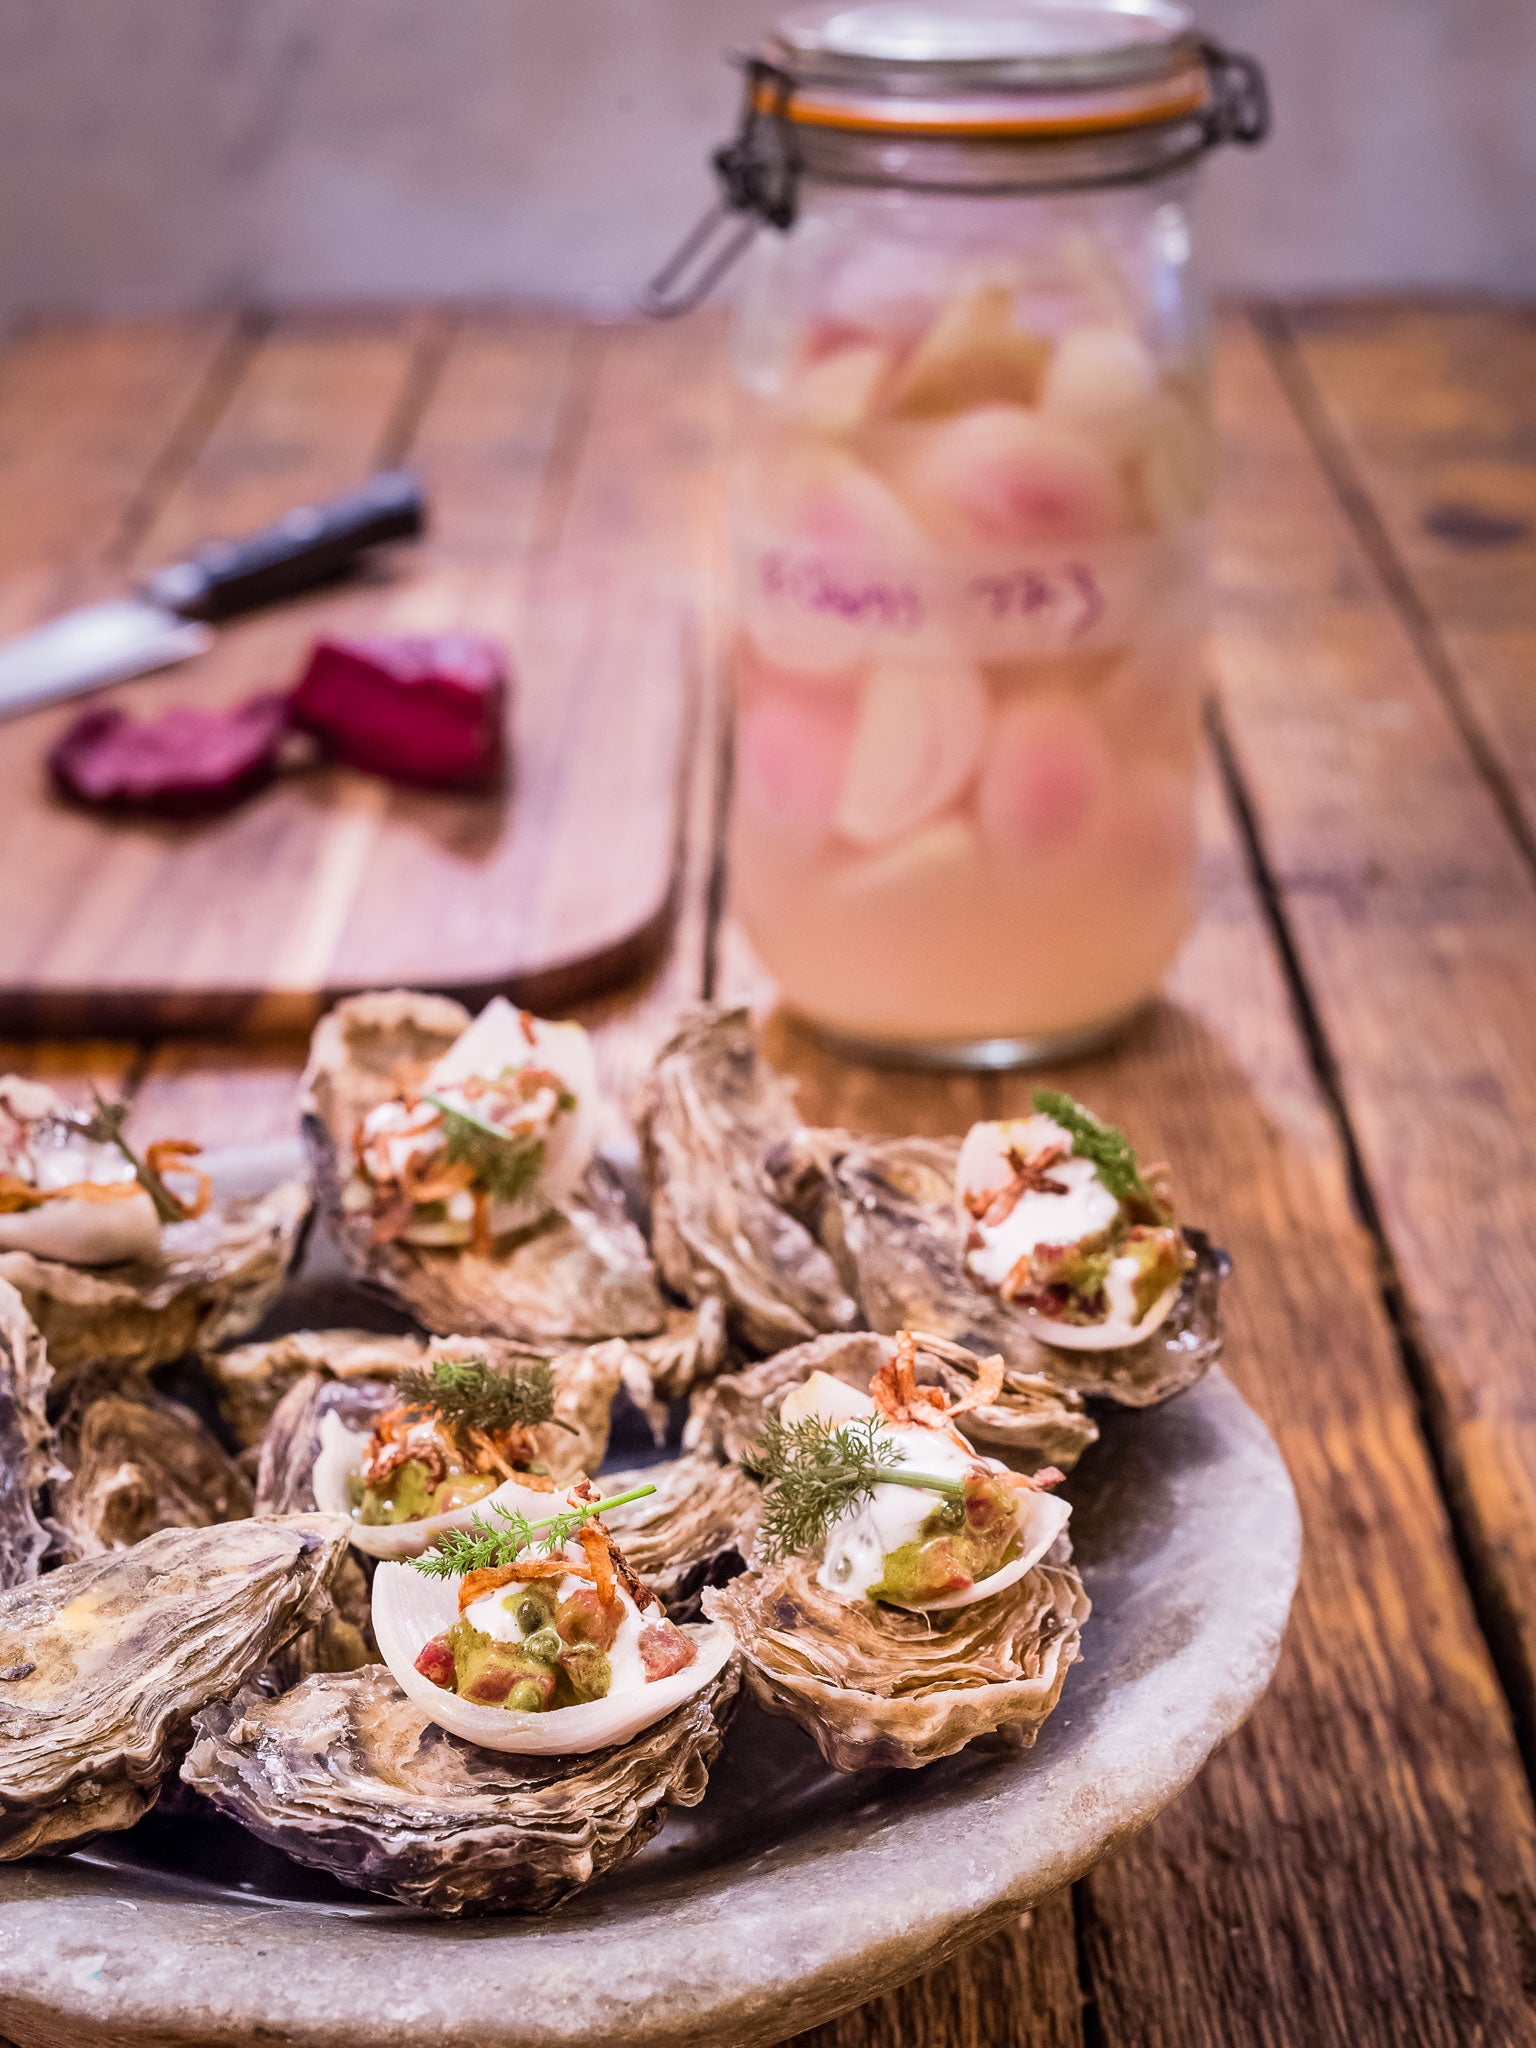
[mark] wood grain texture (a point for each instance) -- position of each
(1413, 913)
(330, 880)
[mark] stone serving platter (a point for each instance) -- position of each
(790, 1894)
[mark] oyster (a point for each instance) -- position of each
(694, 1531)
(876, 1686)
(251, 1379)
(586, 1379)
(580, 1271)
(28, 1452)
(347, 1774)
(137, 1462)
(711, 1113)
(885, 1208)
(213, 1278)
(103, 1664)
(1032, 1423)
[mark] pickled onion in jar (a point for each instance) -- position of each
(1102, 381)
(975, 353)
(792, 761)
(919, 739)
(1004, 474)
(835, 392)
(1046, 779)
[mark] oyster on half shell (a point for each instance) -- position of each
(346, 1774)
(582, 1272)
(1031, 1424)
(28, 1449)
(711, 1113)
(137, 1462)
(877, 1687)
(214, 1277)
(104, 1662)
(695, 1530)
(885, 1210)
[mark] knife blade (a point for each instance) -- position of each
(170, 619)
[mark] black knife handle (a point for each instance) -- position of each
(305, 547)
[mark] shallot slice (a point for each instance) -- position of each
(187, 763)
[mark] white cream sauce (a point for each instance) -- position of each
(1083, 1210)
(860, 1540)
(81, 1233)
(494, 1615)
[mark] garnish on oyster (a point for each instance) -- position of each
(501, 1131)
(28, 1449)
(135, 1462)
(900, 1507)
(454, 1162)
(1029, 1422)
(696, 1528)
(536, 1636)
(888, 1207)
(710, 1115)
(435, 1442)
(104, 1662)
(125, 1260)
(1062, 1222)
(347, 1774)
(458, 1434)
(72, 1188)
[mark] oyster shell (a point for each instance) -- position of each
(251, 1379)
(28, 1451)
(1033, 1423)
(214, 1279)
(137, 1462)
(687, 1353)
(885, 1209)
(711, 1112)
(695, 1530)
(581, 1273)
(878, 1687)
(347, 1774)
(103, 1664)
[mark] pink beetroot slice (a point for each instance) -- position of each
(186, 763)
(426, 708)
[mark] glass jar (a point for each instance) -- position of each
(971, 481)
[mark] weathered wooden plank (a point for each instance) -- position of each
(1017, 1989)
(1414, 914)
(1428, 418)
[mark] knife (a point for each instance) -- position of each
(170, 618)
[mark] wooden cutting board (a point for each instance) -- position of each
(571, 476)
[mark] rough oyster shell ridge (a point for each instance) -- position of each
(695, 1530)
(878, 1688)
(28, 1448)
(710, 1113)
(1032, 1424)
(345, 1774)
(103, 1664)
(885, 1209)
(216, 1276)
(136, 1462)
(583, 1273)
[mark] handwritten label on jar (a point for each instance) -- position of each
(821, 609)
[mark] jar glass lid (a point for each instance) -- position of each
(996, 42)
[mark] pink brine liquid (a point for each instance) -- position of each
(968, 672)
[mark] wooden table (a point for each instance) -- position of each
(1344, 1069)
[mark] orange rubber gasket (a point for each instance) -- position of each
(1058, 117)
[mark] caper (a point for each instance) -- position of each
(531, 1615)
(544, 1645)
(525, 1698)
